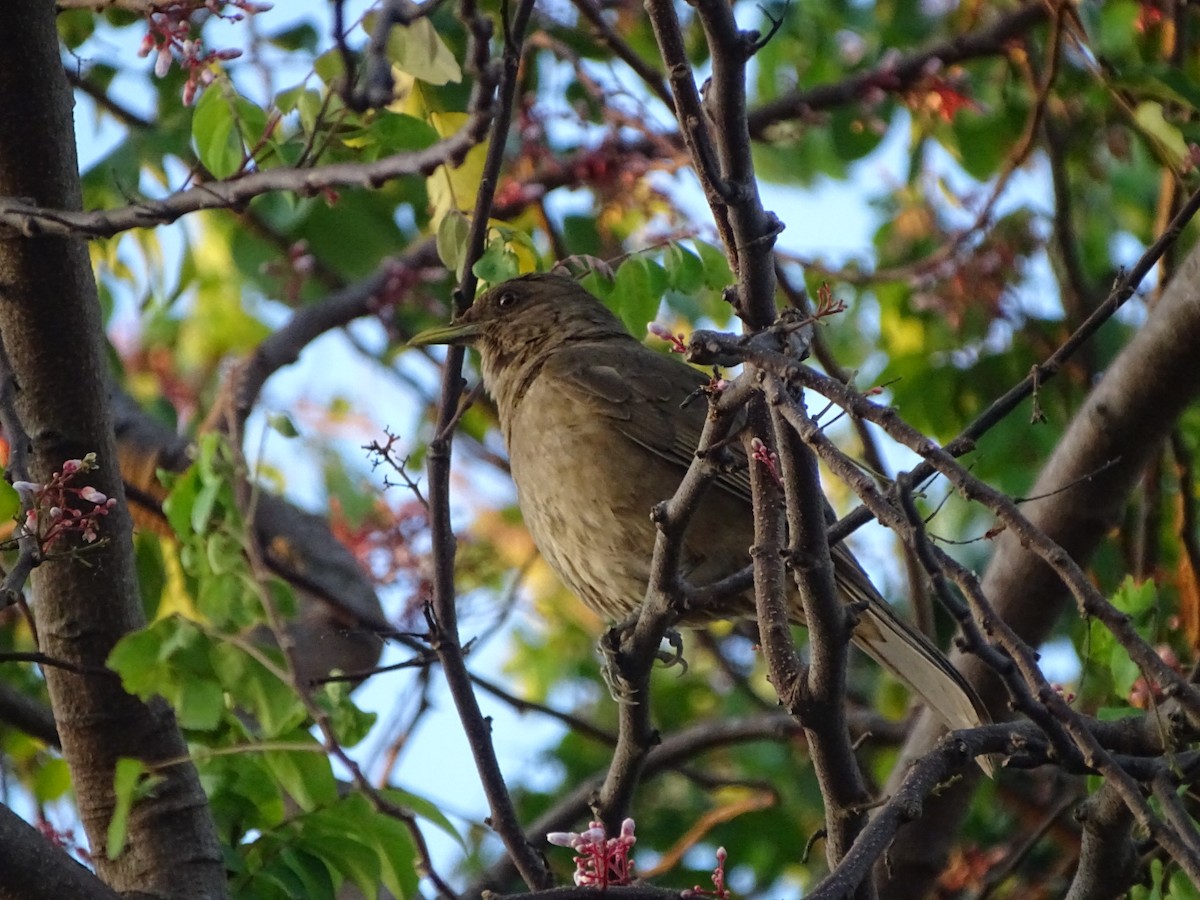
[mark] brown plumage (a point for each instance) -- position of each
(597, 433)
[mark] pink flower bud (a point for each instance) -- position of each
(658, 330)
(162, 65)
(92, 495)
(27, 489)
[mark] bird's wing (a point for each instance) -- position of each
(905, 652)
(659, 408)
(649, 409)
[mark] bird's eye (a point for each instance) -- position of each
(506, 300)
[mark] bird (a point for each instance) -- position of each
(599, 429)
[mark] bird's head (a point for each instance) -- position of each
(517, 323)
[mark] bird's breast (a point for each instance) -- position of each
(586, 493)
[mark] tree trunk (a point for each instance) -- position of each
(84, 602)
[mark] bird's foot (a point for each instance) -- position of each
(611, 665)
(620, 687)
(674, 656)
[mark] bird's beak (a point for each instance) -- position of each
(454, 333)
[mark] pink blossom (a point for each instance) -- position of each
(678, 345)
(602, 861)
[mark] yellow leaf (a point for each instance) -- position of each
(419, 50)
(405, 98)
(454, 188)
(1150, 119)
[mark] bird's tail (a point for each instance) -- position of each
(907, 653)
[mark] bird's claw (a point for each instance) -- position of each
(674, 656)
(619, 687)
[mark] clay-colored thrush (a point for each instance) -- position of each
(598, 432)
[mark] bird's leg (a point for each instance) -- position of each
(610, 650)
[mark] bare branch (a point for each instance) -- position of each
(442, 613)
(19, 218)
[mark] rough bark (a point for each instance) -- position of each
(50, 323)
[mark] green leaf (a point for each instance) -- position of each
(1182, 888)
(224, 554)
(221, 597)
(332, 834)
(151, 570)
(51, 780)
(1136, 597)
(299, 37)
(685, 270)
(180, 501)
(717, 274)
(637, 293)
(282, 424)
(306, 776)
(1123, 669)
(10, 501)
(396, 132)
(853, 132)
(259, 692)
(1116, 31)
(251, 121)
(135, 658)
(125, 782)
(289, 98)
(1150, 118)
(426, 809)
(199, 704)
(418, 50)
(306, 873)
(983, 142)
(75, 26)
(497, 263)
(351, 723)
(452, 240)
(582, 236)
(206, 501)
(216, 136)
(393, 844)
(329, 66)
